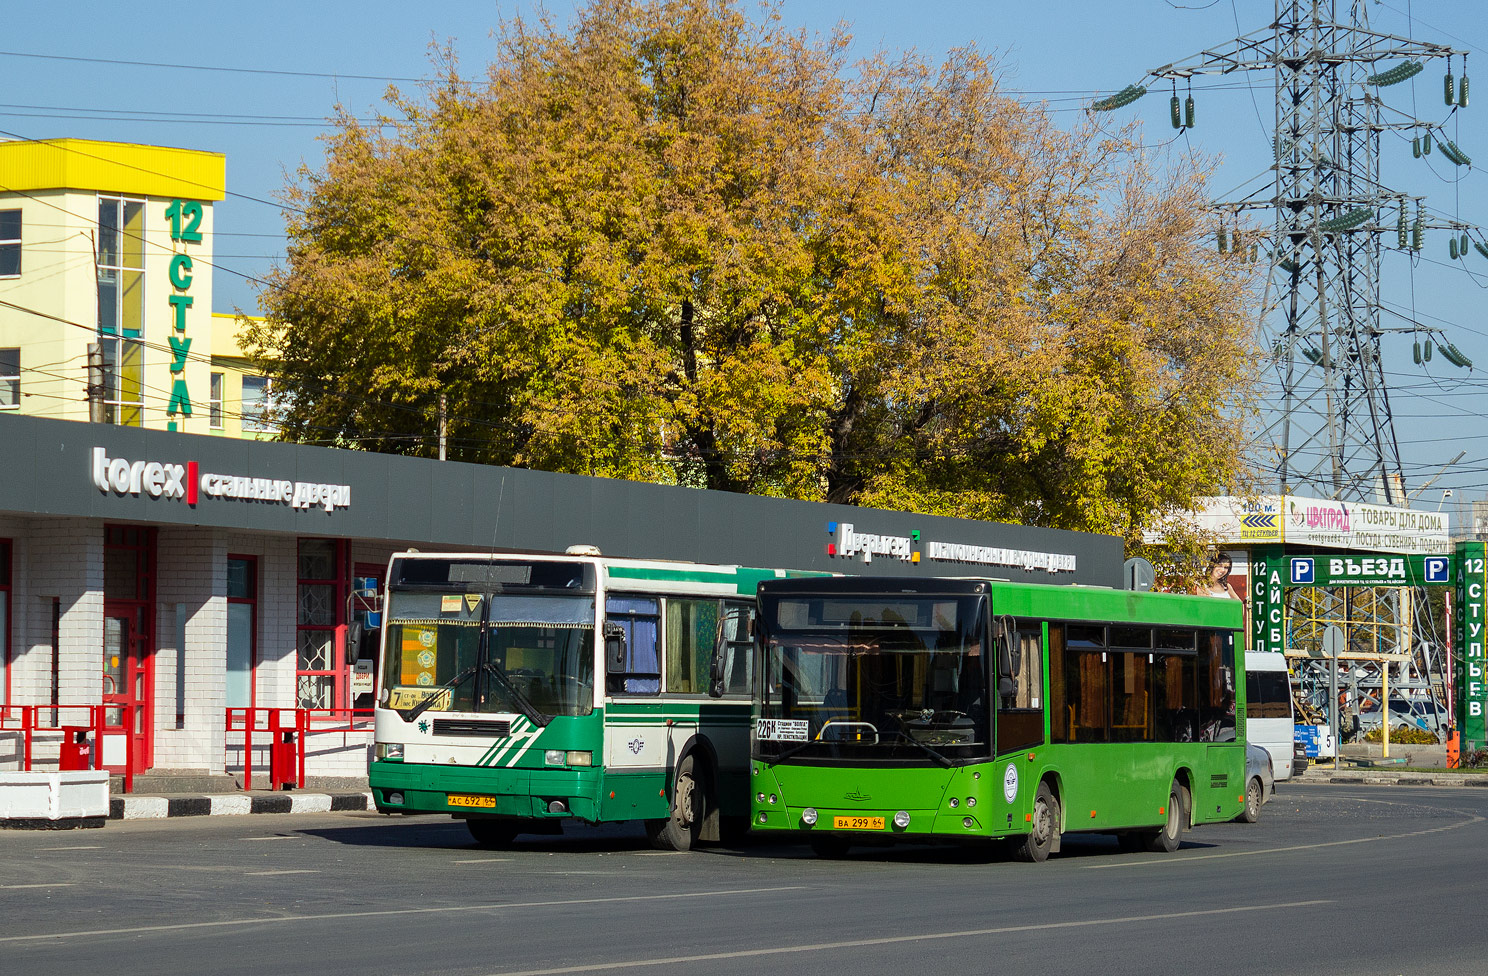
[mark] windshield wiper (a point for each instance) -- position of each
(524, 705)
(782, 756)
(409, 714)
(938, 757)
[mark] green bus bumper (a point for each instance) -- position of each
(399, 787)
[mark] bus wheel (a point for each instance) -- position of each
(680, 831)
(1252, 811)
(1036, 845)
(829, 847)
(494, 834)
(1167, 837)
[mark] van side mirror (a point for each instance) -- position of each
(614, 645)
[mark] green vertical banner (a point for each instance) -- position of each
(1267, 600)
(1472, 689)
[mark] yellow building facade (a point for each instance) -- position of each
(106, 260)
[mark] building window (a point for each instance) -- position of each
(255, 405)
(4, 622)
(121, 307)
(10, 379)
(10, 243)
(320, 624)
(242, 629)
(214, 402)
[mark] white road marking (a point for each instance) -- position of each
(481, 860)
(80, 847)
(443, 909)
(1149, 862)
(898, 939)
(51, 884)
(260, 874)
(273, 837)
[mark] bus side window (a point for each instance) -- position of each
(691, 626)
(738, 625)
(1020, 717)
(639, 618)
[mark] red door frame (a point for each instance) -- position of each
(137, 664)
(252, 601)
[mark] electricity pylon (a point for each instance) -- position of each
(1331, 433)
(1331, 217)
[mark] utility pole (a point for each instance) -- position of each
(97, 384)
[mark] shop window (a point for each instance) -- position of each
(121, 307)
(214, 402)
(10, 243)
(242, 629)
(10, 379)
(255, 404)
(320, 625)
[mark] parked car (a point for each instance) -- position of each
(1299, 758)
(1410, 713)
(1260, 782)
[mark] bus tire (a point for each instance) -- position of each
(1035, 846)
(1166, 838)
(680, 831)
(1252, 811)
(494, 835)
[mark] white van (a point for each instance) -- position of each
(1268, 709)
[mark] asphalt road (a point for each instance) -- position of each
(1356, 880)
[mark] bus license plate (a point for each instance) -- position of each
(471, 800)
(857, 823)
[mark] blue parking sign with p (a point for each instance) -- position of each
(1302, 569)
(1438, 569)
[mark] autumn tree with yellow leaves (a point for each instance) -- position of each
(674, 243)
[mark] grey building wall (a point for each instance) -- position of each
(431, 504)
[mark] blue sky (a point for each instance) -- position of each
(297, 60)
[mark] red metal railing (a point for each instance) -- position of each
(286, 732)
(74, 750)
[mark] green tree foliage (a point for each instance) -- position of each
(677, 244)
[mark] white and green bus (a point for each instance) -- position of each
(519, 691)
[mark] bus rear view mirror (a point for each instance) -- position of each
(614, 642)
(1007, 664)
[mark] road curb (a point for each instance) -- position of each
(130, 807)
(1357, 778)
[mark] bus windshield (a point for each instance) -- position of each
(874, 677)
(489, 652)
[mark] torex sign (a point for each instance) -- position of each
(186, 482)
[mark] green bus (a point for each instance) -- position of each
(974, 711)
(519, 691)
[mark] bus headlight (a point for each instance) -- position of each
(554, 757)
(580, 757)
(901, 819)
(808, 816)
(389, 750)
